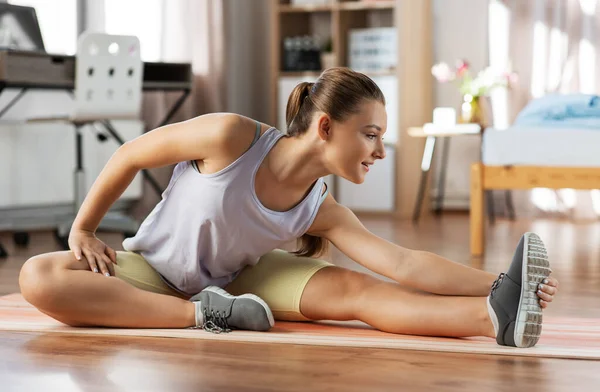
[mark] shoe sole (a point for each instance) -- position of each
(253, 297)
(535, 269)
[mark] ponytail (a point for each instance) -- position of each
(299, 108)
(297, 118)
(339, 91)
(311, 245)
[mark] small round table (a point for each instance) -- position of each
(432, 133)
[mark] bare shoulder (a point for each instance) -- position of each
(238, 132)
(220, 126)
(216, 137)
(232, 135)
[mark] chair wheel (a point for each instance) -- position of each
(62, 240)
(21, 238)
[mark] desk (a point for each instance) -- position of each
(35, 70)
(432, 134)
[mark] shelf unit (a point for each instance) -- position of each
(412, 101)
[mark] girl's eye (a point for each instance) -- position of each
(372, 137)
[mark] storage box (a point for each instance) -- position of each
(373, 49)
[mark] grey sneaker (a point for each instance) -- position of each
(513, 296)
(223, 312)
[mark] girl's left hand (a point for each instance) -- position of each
(547, 290)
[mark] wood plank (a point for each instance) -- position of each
(29, 361)
(275, 60)
(190, 362)
(286, 8)
(415, 91)
(366, 5)
(302, 74)
(344, 6)
(50, 362)
(347, 22)
(477, 210)
(528, 177)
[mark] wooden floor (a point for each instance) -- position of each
(30, 362)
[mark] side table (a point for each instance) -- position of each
(432, 133)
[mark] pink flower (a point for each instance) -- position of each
(462, 66)
(442, 72)
(512, 78)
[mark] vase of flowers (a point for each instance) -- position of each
(473, 89)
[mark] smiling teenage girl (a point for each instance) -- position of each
(207, 256)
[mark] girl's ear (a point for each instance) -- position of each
(324, 127)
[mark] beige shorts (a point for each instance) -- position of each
(279, 278)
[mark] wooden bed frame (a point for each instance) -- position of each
(485, 178)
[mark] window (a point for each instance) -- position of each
(128, 17)
(58, 23)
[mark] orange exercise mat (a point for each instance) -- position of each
(561, 337)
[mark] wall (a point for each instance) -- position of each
(248, 90)
(460, 31)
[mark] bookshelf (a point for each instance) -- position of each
(408, 86)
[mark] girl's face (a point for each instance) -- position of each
(356, 143)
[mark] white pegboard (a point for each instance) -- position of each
(108, 77)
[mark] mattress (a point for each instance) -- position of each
(541, 147)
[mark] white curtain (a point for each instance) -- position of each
(553, 46)
(191, 31)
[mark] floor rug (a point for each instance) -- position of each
(561, 337)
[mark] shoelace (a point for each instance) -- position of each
(215, 322)
(496, 284)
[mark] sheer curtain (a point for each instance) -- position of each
(173, 31)
(177, 31)
(553, 45)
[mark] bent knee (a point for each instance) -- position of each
(37, 278)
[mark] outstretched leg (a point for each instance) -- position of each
(512, 312)
(336, 293)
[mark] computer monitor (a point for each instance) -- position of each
(20, 29)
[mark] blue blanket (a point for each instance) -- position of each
(562, 111)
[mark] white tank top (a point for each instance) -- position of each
(208, 227)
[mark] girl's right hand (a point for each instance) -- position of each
(98, 255)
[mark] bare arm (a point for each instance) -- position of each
(197, 139)
(210, 138)
(418, 269)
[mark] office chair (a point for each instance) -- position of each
(108, 86)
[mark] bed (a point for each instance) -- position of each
(526, 158)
